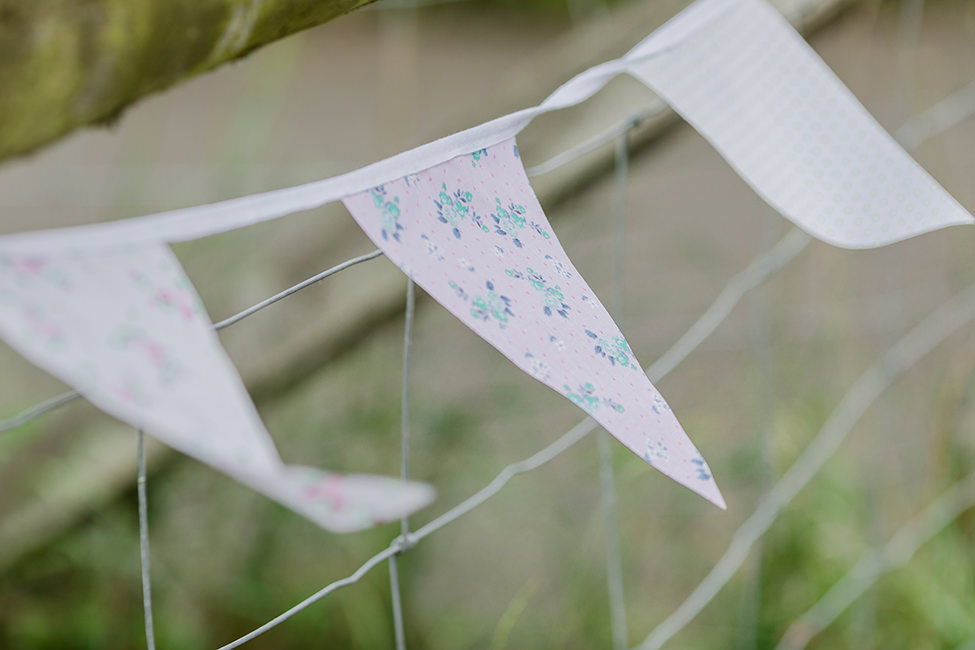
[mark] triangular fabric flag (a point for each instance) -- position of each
(471, 233)
(734, 69)
(126, 328)
(739, 73)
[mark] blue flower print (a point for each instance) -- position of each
(537, 280)
(458, 290)
(508, 221)
(492, 305)
(406, 268)
(554, 302)
(479, 222)
(616, 351)
(703, 471)
(659, 406)
(477, 155)
(585, 396)
(656, 453)
(613, 404)
(388, 213)
(541, 231)
(517, 153)
(433, 250)
(553, 296)
(560, 267)
(453, 209)
(538, 368)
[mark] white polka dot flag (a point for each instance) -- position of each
(472, 234)
(743, 78)
(107, 308)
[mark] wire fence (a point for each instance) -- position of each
(900, 357)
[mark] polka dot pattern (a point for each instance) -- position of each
(790, 128)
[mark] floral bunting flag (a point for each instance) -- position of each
(107, 308)
(471, 233)
(126, 328)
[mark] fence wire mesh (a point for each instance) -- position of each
(956, 313)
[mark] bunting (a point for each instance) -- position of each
(108, 309)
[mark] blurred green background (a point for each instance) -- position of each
(527, 569)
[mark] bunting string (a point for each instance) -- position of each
(108, 308)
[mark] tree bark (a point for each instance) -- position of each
(71, 63)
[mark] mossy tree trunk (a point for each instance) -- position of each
(71, 63)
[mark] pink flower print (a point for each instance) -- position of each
(129, 390)
(43, 328)
(168, 370)
(138, 278)
(174, 300)
(126, 394)
(330, 490)
(30, 265)
(155, 351)
(28, 268)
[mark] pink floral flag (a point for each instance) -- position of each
(125, 327)
(471, 233)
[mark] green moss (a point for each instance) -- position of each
(68, 64)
